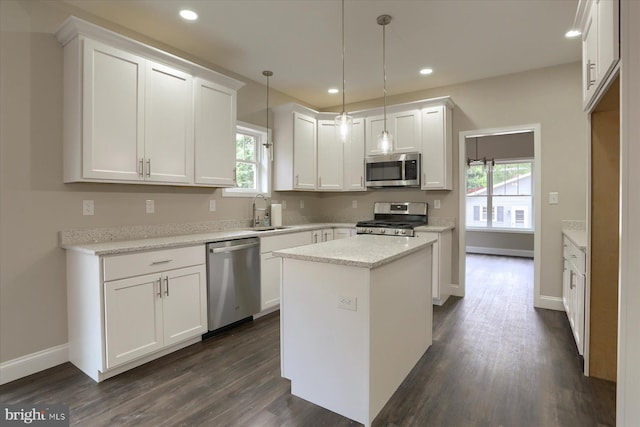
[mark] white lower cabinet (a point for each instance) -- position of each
(343, 233)
(125, 310)
(573, 290)
(441, 265)
(324, 235)
(270, 265)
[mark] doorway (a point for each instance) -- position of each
(494, 210)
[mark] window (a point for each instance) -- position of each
(252, 163)
(505, 190)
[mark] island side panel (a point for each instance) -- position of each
(325, 348)
(401, 323)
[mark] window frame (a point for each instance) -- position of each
(263, 162)
(489, 196)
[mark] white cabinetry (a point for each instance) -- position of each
(600, 45)
(404, 126)
(295, 130)
(573, 290)
(125, 310)
(330, 157)
(343, 233)
(215, 148)
(270, 265)
(441, 265)
(437, 161)
(129, 113)
(324, 235)
(354, 158)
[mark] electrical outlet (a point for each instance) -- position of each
(150, 206)
(354, 204)
(301, 204)
(212, 205)
(553, 198)
(348, 303)
(436, 204)
(284, 204)
(87, 207)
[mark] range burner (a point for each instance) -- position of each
(396, 219)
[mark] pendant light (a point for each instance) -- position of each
(268, 144)
(385, 140)
(343, 122)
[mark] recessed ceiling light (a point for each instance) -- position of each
(572, 33)
(189, 15)
(426, 71)
(333, 90)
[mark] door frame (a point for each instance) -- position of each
(538, 300)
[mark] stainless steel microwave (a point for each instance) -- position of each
(393, 170)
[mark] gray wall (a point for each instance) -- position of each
(35, 204)
(500, 243)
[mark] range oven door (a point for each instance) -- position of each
(393, 170)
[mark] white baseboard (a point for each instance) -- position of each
(31, 363)
(550, 303)
(499, 251)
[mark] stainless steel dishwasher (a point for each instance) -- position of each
(233, 281)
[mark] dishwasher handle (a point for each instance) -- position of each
(227, 249)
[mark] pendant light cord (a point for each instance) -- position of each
(343, 79)
(384, 72)
(267, 74)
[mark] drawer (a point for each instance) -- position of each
(139, 263)
(284, 241)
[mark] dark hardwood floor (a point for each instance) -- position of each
(495, 361)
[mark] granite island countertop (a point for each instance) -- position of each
(367, 251)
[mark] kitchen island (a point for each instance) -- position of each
(356, 316)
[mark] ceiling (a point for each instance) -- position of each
(300, 40)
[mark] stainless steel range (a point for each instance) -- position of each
(395, 219)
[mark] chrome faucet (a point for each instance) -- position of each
(256, 216)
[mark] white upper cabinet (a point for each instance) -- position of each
(304, 152)
(600, 46)
(330, 157)
(437, 148)
(112, 142)
(404, 127)
(354, 158)
(295, 140)
(129, 113)
(168, 125)
(215, 148)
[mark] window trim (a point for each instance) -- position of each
(490, 202)
(263, 163)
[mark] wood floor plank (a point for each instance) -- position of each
(495, 361)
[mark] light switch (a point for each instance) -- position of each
(212, 205)
(87, 207)
(150, 206)
(436, 204)
(354, 204)
(348, 303)
(553, 198)
(284, 204)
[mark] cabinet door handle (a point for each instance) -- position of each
(590, 81)
(315, 238)
(361, 181)
(319, 181)
(166, 282)
(159, 287)
(297, 180)
(162, 261)
(235, 176)
(141, 167)
(148, 167)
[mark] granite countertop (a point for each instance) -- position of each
(578, 237)
(367, 251)
(435, 228)
(164, 242)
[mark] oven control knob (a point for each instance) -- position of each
(397, 231)
(368, 230)
(404, 231)
(382, 231)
